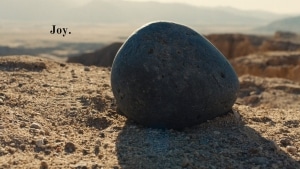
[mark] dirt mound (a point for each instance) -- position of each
(25, 62)
(270, 64)
(66, 117)
(102, 57)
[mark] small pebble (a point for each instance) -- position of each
(23, 147)
(291, 149)
(11, 150)
(81, 165)
(3, 151)
(39, 142)
(23, 124)
(1, 101)
(70, 147)
(35, 125)
(44, 165)
(87, 69)
(80, 131)
(285, 142)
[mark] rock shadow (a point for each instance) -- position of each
(225, 142)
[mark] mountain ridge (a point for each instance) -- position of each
(131, 12)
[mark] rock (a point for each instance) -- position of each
(166, 75)
(22, 124)
(291, 149)
(44, 165)
(70, 147)
(87, 69)
(39, 143)
(285, 142)
(35, 126)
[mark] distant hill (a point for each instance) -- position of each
(102, 57)
(119, 11)
(291, 24)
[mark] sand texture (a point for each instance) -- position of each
(63, 115)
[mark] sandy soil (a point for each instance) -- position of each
(58, 115)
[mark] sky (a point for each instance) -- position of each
(276, 6)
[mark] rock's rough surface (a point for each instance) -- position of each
(166, 75)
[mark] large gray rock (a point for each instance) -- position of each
(166, 75)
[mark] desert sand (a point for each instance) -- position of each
(63, 115)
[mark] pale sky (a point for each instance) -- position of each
(276, 6)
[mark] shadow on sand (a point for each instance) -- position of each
(225, 142)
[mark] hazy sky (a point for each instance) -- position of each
(277, 6)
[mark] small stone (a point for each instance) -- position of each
(48, 151)
(70, 147)
(97, 150)
(1, 101)
(96, 166)
(23, 147)
(80, 131)
(11, 150)
(35, 126)
(3, 151)
(47, 133)
(291, 149)
(44, 165)
(85, 151)
(87, 69)
(23, 124)
(81, 165)
(39, 143)
(285, 142)
(102, 135)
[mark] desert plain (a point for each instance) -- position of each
(57, 114)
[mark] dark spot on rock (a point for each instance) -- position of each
(150, 51)
(222, 75)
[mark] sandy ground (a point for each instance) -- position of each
(58, 115)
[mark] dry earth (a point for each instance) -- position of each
(63, 115)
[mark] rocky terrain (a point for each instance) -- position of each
(270, 64)
(231, 46)
(102, 57)
(63, 115)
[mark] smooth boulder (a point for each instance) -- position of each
(166, 75)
